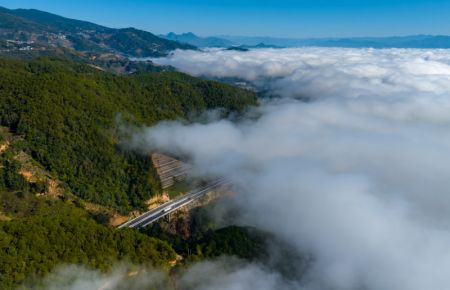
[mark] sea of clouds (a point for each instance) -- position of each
(358, 177)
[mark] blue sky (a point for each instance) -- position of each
(282, 18)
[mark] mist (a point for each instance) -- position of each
(357, 177)
(222, 273)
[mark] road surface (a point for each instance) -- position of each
(173, 205)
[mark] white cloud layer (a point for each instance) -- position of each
(358, 177)
(222, 274)
(320, 72)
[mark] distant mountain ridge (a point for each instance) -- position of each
(249, 42)
(34, 26)
(192, 39)
(245, 47)
(413, 41)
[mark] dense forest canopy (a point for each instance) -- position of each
(32, 247)
(66, 114)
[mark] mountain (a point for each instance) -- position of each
(245, 47)
(414, 41)
(36, 29)
(65, 167)
(191, 38)
(67, 114)
(249, 42)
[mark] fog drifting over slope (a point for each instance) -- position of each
(358, 177)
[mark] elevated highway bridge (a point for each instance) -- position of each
(173, 205)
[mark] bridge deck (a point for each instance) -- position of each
(173, 205)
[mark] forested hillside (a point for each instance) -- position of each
(32, 247)
(67, 115)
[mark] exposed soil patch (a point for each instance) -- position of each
(4, 147)
(157, 200)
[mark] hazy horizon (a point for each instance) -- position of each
(278, 19)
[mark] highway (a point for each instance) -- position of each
(173, 205)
